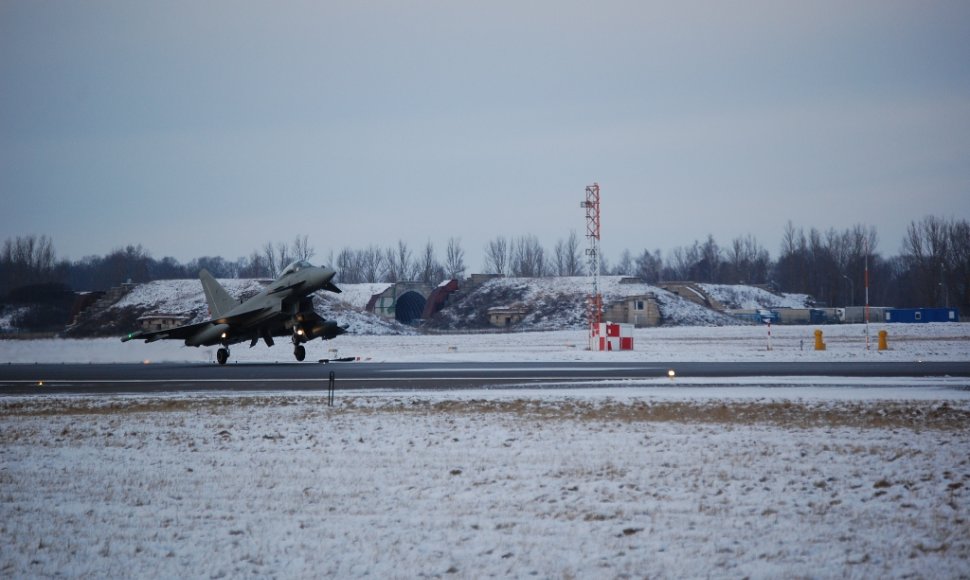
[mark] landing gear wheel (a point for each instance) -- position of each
(222, 355)
(299, 352)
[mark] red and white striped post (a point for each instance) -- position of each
(768, 321)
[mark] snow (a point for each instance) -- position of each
(585, 483)
(7, 316)
(844, 342)
(741, 297)
(736, 477)
(183, 296)
(556, 303)
(358, 295)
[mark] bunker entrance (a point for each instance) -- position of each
(409, 307)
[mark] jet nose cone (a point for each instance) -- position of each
(323, 279)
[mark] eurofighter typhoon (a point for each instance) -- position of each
(284, 308)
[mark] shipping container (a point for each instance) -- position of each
(919, 315)
(857, 314)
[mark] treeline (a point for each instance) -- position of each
(932, 269)
(31, 260)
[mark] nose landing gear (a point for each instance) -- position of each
(299, 336)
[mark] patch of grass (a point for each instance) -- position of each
(913, 415)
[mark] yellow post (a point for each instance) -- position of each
(819, 345)
(883, 342)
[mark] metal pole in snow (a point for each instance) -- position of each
(867, 291)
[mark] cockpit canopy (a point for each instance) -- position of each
(296, 267)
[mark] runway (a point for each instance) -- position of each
(21, 379)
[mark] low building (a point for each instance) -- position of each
(504, 316)
(640, 311)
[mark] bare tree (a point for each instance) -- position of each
(683, 262)
(279, 255)
(958, 283)
(745, 261)
(254, 266)
(283, 256)
(649, 267)
(348, 267)
(792, 266)
(269, 259)
(931, 256)
(859, 243)
(26, 260)
(528, 257)
(497, 256)
(301, 249)
(400, 264)
(430, 270)
(455, 259)
(708, 267)
(625, 266)
(372, 264)
(567, 257)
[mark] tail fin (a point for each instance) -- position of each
(220, 302)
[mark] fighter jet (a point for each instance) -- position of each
(284, 308)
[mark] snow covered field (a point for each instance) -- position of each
(584, 484)
(800, 477)
(938, 341)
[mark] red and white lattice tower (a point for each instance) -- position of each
(594, 305)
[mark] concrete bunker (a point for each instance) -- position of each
(409, 307)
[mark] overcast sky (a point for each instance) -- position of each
(208, 128)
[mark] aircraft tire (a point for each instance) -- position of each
(222, 355)
(299, 352)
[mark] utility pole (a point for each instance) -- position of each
(866, 279)
(594, 306)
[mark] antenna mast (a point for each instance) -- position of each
(594, 305)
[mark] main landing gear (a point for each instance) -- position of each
(222, 355)
(299, 351)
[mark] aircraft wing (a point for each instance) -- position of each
(179, 332)
(190, 330)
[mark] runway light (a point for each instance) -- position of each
(40, 383)
(146, 362)
(671, 374)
